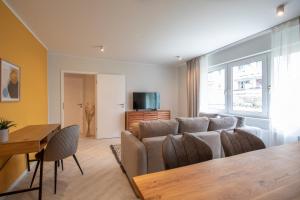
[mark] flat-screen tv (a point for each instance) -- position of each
(146, 101)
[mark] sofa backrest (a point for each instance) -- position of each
(240, 120)
(157, 128)
(192, 124)
(208, 115)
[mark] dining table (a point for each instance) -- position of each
(30, 139)
(272, 173)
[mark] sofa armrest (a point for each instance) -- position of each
(133, 155)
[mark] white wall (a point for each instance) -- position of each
(241, 49)
(182, 91)
(139, 77)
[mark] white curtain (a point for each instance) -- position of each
(203, 84)
(285, 83)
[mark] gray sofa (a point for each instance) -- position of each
(141, 153)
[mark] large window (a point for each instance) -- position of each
(239, 87)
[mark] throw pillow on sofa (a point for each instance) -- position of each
(157, 128)
(185, 150)
(192, 124)
(222, 123)
(240, 120)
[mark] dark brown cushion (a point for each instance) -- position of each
(192, 124)
(230, 144)
(173, 152)
(251, 142)
(197, 150)
(157, 128)
(222, 123)
(239, 142)
(185, 150)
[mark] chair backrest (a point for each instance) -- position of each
(63, 144)
(185, 150)
(239, 142)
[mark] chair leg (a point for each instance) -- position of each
(34, 174)
(55, 175)
(77, 163)
(28, 162)
(62, 165)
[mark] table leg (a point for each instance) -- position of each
(41, 175)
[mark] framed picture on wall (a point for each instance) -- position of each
(9, 82)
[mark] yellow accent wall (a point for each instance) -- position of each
(18, 46)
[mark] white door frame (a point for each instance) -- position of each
(62, 92)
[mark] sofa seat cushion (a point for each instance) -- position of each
(153, 147)
(222, 123)
(157, 128)
(192, 124)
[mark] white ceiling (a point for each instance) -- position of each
(147, 31)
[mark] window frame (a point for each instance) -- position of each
(218, 68)
(265, 80)
(228, 93)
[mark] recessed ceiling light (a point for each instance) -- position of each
(99, 48)
(280, 10)
(179, 58)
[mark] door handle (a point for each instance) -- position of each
(122, 105)
(80, 105)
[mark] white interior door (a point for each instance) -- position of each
(73, 100)
(111, 105)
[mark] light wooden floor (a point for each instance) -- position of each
(102, 179)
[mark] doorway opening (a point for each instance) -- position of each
(79, 102)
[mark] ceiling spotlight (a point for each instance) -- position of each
(179, 58)
(280, 10)
(101, 48)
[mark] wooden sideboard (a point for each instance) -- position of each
(132, 118)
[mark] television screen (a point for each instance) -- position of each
(146, 100)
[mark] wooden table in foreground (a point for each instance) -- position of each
(272, 173)
(29, 139)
